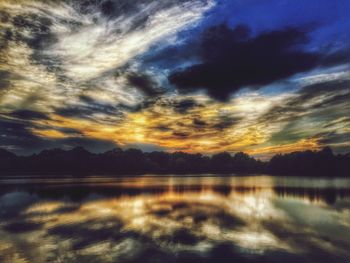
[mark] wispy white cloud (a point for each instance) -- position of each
(101, 44)
(85, 48)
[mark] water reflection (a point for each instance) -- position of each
(188, 219)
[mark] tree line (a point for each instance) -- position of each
(80, 162)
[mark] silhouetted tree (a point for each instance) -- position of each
(79, 161)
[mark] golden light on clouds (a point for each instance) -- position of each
(161, 125)
(65, 73)
(301, 145)
(49, 133)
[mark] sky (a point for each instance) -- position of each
(199, 76)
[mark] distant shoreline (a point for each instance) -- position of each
(79, 162)
(131, 176)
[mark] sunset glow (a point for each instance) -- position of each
(72, 73)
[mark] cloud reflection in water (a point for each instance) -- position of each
(249, 219)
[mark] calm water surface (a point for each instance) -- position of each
(175, 219)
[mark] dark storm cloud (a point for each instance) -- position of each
(79, 112)
(5, 33)
(107, 7)
(87, 108)
(145, 84)
(28, 115)
(180, 134)
(4, 79)
(225, 122)
(199, 123)
(162, 128)
(4, 17)
(87, 112)
(16, 135)
(233, 59)
(14, 129)
(69, 131)
(184, 105)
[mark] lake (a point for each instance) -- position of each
(175, 219)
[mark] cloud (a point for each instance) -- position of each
(28, 115)
(318, 111)
(88, 108)
(316, 98)
(25, 131)
(233, 59)
(182, 106)
(76, 70)
(337, 57)
(99, 44)
(145, 84)
(4, 80)
(55, 54)
(226, 121)
(199, 123)
(16, 136)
